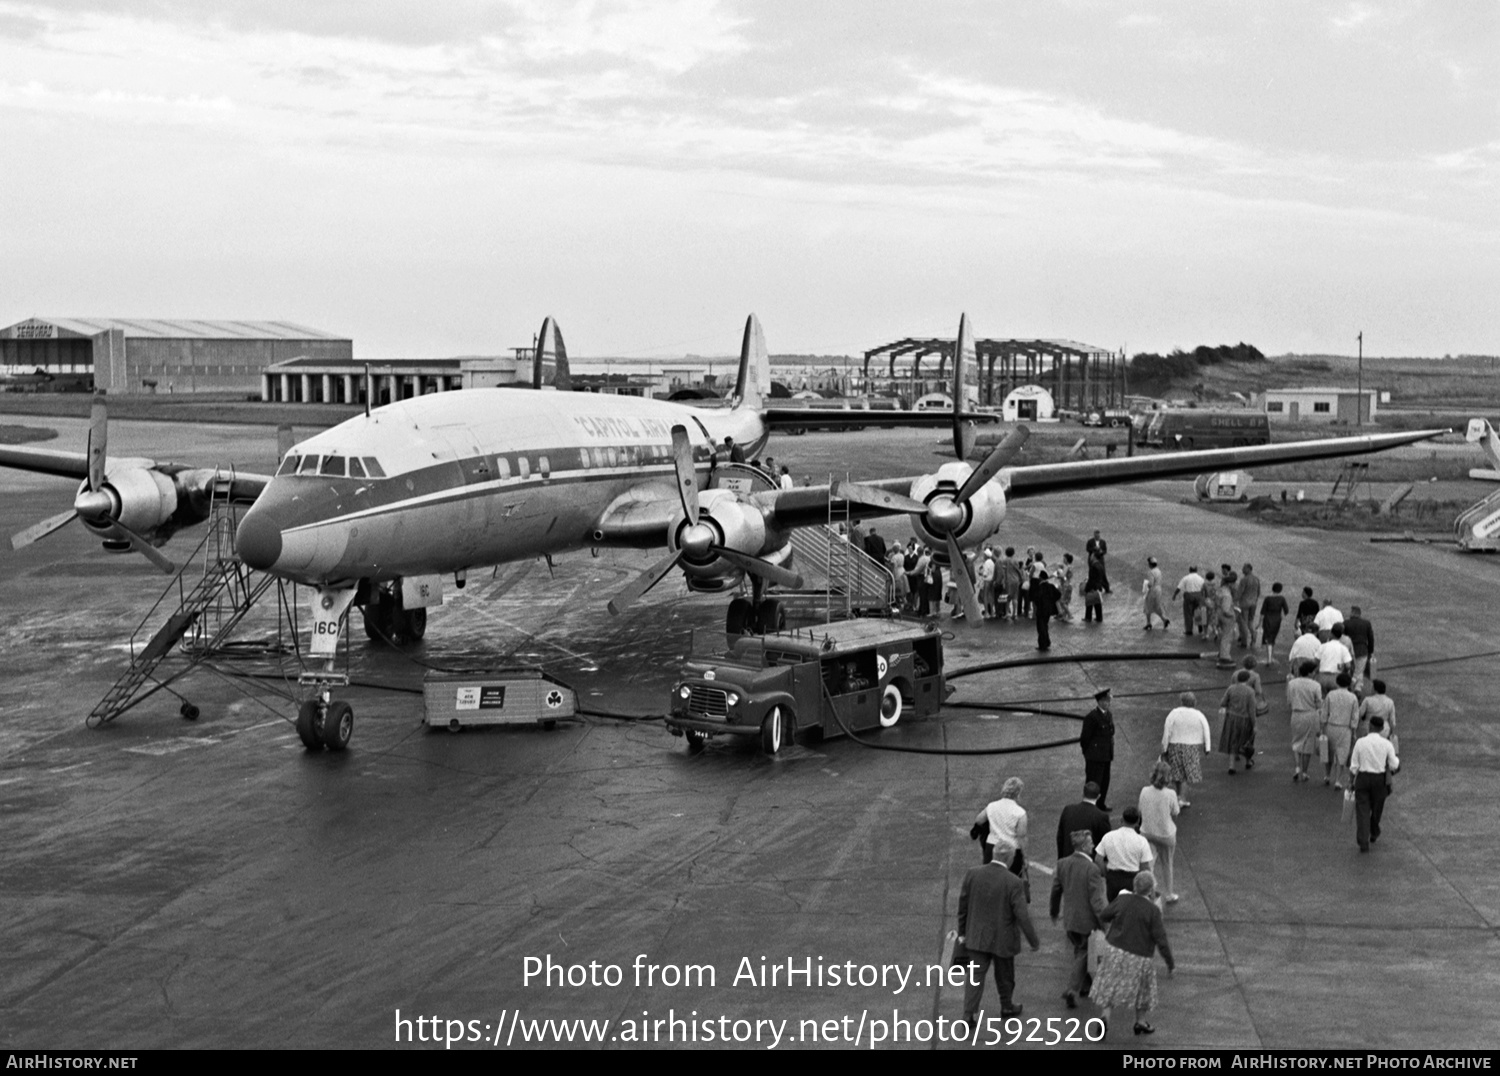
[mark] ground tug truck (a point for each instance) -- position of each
(810, 683)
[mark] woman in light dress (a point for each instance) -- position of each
(1155, 600)
(1159, 806)
(1305, 698)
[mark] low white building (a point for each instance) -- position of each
(1028, 403)
(1335, 406)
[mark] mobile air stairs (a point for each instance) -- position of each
(212, 592)
(1477, 528)
(839, 580)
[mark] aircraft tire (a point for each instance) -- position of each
(695, 741)
(771, 731)
(771, 616)
(338, 725)
(415, 625)
(307, 721)
(890, 706)
(740, 619)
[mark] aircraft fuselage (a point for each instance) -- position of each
(461, 480)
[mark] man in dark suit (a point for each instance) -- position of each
(992, 916)
(875, 545)
(1359, 633)
(1097, 739)
(1078, 892)
(1084, 815)
(1044, 597)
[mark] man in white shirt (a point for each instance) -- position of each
(1190, 587)
(1372, 758)
(1328, 616)
(1304, 649)
(1334, 657)
(1123, 853)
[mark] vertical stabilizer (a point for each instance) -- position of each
(549, 342)
(1482, 433)
(754, 383)
(963, 358)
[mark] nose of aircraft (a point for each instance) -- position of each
(259, 538)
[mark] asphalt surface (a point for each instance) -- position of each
(211, 884)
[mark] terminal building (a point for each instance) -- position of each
(143, 355)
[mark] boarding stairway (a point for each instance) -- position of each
(839, 580)
(213, 591)
(1478, 526)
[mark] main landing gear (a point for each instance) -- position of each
(387, 620)
(755, 615)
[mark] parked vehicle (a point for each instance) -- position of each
(809, 683)
(1190, 428)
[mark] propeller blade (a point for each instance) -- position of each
(1004, 452)
(875, 497)
(687, 480)
(963, 353)
(772, 573)
(38, 531)
(961, 579)
(145, 549)
(98, 443)
(643, 582)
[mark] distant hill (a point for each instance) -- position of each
(1448, 382)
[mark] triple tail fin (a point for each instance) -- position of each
(753, 387)
(550, 342)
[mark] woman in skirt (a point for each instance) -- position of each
(1185, 739)
(1238, 708)
(1127, 970)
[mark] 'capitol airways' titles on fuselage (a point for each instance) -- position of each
(459, 480)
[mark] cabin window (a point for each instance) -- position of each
(372, 467)
(309, 465)
(502, 466)
(544, 466)
(583, 454)
(614, 458)
(289, 465)
(523, 465)
(356, 469)
(333, 466)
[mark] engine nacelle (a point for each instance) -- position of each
(141, 499)
(971, 523)
(731, 523)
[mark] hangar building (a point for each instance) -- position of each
(141, 355)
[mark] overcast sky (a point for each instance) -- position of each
(432, 178)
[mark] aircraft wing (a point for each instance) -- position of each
(843, 418)
(40, 461)
(1035, 479)
(810, 505)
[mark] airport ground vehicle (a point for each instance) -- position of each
(809, 683)
(1194, 428)
(1107, 416)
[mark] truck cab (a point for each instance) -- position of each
(809, 683)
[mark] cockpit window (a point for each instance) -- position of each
(333, 466)
(372, 467)
(356, 469)
(309, 465)
(289, 465)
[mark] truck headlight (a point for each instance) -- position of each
(684, 692)
(732, 699)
